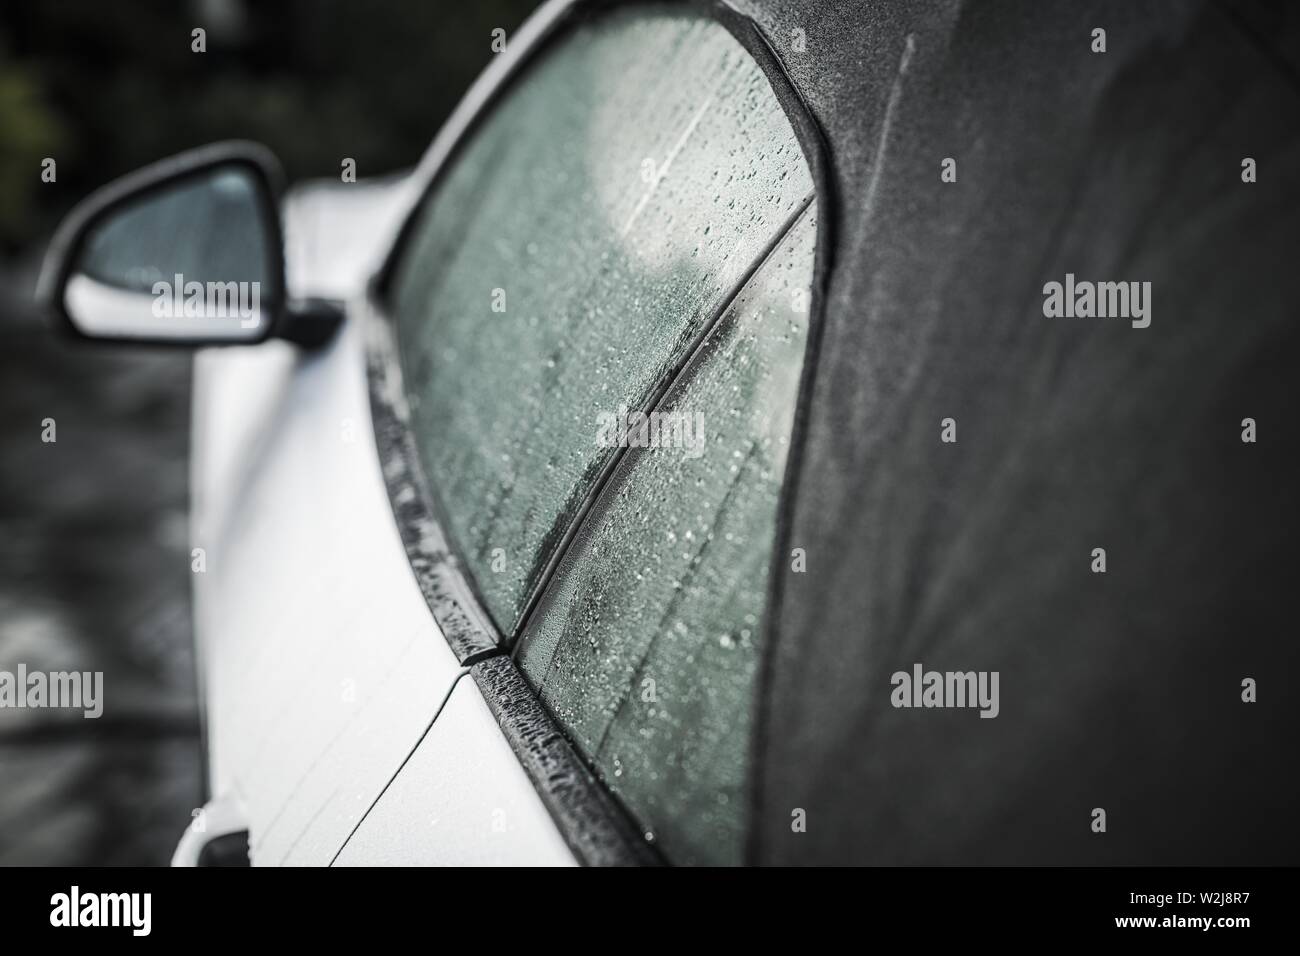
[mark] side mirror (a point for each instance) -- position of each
(187, 251)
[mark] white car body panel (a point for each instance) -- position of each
(321, 664)
(462, 799)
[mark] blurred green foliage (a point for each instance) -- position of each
(106, 87)
(29, 131)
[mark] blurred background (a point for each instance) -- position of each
(94, 553)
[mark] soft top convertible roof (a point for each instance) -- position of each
(1119, 691)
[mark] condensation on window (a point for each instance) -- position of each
(573, 252)
(645, 645)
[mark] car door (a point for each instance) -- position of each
(586, 354)
(321, 666)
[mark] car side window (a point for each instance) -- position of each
(566, 263)
(645, 644)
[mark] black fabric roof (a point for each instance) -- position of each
(1119, 690)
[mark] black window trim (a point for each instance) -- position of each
(598, 829)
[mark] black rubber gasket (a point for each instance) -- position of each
(445, 584)
(595, 826)
(598, 830)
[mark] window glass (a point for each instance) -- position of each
(645, 644)
(567, 261)
(184, 228)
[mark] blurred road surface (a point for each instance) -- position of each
(94, 575)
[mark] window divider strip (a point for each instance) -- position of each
(652, 404)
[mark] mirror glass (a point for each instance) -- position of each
(189, 259)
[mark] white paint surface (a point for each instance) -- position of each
(463, 799)
(321, 662)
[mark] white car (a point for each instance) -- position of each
(363, 546)
(684, 465)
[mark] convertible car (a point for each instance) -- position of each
(693, 460)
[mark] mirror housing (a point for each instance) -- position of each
(187, 251)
